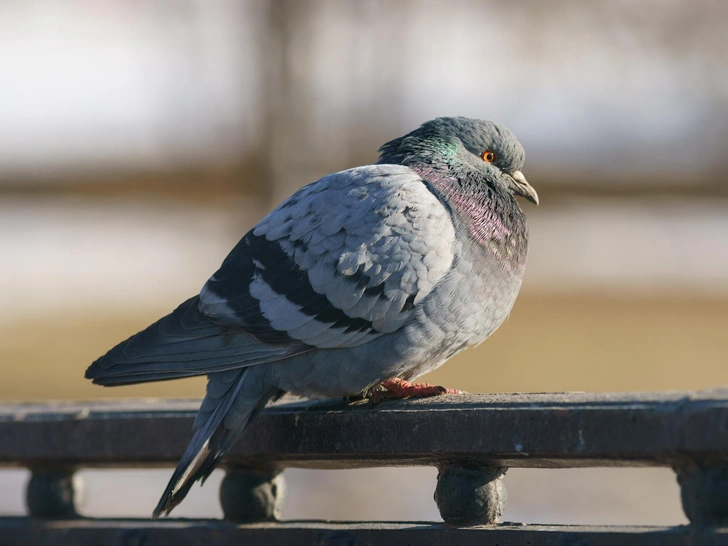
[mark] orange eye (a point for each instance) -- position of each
(488, 156)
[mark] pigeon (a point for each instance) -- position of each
(358, 282)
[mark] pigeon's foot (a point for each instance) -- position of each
(397, 389)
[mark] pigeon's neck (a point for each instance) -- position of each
(494, 219)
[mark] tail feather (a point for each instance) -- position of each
(224, 414)
(184, 344)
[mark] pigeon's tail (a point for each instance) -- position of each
(232, 399)
(185, 343)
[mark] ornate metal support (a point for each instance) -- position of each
(704, 494)
(249, 495)
(467, 496)
(55, 493)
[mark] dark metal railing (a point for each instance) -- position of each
(471, 439)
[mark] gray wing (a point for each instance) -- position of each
(341, 262)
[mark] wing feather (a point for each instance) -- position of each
(341, 262)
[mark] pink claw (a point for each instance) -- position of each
(397, 389)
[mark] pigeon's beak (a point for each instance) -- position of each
(524, 188)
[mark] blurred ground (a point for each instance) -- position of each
(82, 277)
(97, 273)
(551, 343)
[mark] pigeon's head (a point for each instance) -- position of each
(472, 149)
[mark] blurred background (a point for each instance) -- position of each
(139, 140)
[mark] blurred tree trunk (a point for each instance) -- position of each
(289, 153)
(297, 146)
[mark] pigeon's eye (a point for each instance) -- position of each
(488, 156)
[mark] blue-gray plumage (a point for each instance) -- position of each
(371, 274)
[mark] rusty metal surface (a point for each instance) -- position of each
(23, 531)
(520, 430)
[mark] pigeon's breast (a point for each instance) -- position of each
(464, 309)
(476, 296)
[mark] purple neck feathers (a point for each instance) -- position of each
(494, 219)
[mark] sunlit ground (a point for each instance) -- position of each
(550, 343)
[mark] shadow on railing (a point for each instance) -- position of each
(471, 439)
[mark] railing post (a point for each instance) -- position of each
(704, 494)
(249, 495)
(471, 496)
(57, 493)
